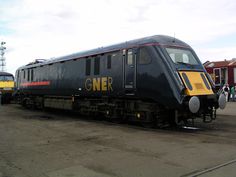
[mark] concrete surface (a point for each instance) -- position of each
(57, 144)
(229, 110)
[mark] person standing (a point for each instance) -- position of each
(232, 92)
(226, 91)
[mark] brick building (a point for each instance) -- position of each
(222, 72)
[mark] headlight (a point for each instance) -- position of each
(222, 101)
(7, 88)
(194, 104)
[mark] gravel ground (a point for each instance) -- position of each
(60, 144)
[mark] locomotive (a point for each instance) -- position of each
(6, 87)
(157, 79)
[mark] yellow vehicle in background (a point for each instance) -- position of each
(6, 87)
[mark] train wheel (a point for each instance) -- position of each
(115, 116)
(148, 120)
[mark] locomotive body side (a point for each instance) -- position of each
(70, 78)
(140, 80)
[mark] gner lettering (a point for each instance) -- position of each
(99, 84)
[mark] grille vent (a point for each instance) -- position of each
(199, 86)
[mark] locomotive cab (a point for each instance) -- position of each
(6, 86)
(198, 90)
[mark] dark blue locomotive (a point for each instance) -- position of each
(154, 79)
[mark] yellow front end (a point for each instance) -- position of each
(6, 87)
(200, 97)
(196, 83)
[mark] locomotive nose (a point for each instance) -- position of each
(194, 104)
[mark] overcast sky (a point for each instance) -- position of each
(51, 28)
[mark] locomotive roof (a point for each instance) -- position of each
(5, 74)
(157, 39)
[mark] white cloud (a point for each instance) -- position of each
(213, 54)
(45, 29)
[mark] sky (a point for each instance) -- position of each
(44, 29)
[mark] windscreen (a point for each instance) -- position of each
(6, 78)
(182, 56)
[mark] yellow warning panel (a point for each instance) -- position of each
(196, 83)
(6, 84)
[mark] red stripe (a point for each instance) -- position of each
(41, 83)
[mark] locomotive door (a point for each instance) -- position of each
(130, 69)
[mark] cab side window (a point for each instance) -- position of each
(130, 60)
(144, 56)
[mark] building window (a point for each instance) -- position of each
(88, 67)
(96, 65)
(144, 56)
(235, 75)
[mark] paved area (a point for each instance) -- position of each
(59, 144)
(230, 109)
